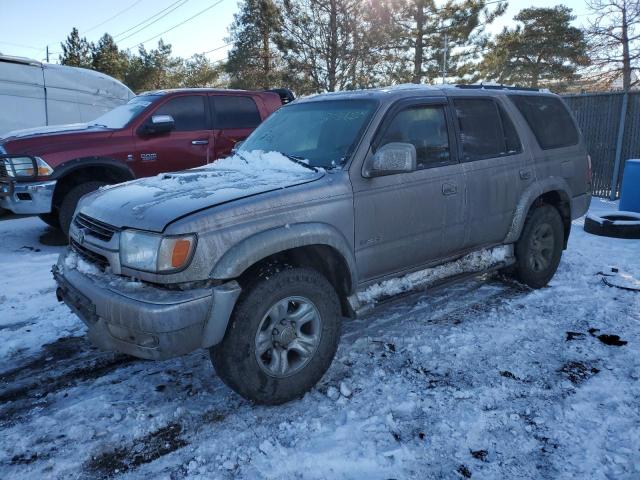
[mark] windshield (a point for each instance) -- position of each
(323, 133)
(120, 116)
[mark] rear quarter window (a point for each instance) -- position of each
(235, 112)
(549, 120)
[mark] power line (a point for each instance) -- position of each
(23, 46)
(181, 23)
(180, 2)
(218, 48)
(111, 18)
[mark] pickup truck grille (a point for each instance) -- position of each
(3, 170)
(88, 255)
(94, 228)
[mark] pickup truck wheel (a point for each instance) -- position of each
(70, 201)
(50, 219)
(539, 248)
(282, 337)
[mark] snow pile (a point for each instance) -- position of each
(257, 160)
(473, 262)
(476, 380)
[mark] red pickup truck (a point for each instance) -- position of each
(46, 171)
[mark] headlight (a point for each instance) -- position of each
(150, 252)
(18, 167)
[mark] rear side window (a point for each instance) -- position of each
(188, 112)
(549, 120)
(425, 128)
(485, 129)
(235, 112)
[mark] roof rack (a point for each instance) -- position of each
(496, 87)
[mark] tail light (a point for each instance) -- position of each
(589, 171)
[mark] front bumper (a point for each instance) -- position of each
(148, 322)
(28, 197)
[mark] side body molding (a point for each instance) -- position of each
(261, 245)
(528, 197)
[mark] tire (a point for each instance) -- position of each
(614, 224)
(247, 372)
(539, 248)
(70, 201)
(50, 219)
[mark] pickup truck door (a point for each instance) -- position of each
(405, 221)
(234, 118)
(188, 145)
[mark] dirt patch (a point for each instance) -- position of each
(612, 340)
(574, 336)
(578, 372)
(480, 455)
(147, 449)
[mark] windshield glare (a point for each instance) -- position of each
(324, 132)
(120, 116)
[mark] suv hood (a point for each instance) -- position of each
(152, 203)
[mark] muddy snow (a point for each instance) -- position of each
(484, 379)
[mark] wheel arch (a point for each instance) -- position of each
(86, 169)
(315, 245)
(553, 191)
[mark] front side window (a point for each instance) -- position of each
(188, 112)
(425, 127)
(549, 120)
(235, 112)
(122, 115)
(324, 133)
(482, 134)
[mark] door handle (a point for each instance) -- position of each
(449, 188)
(525, 174)
(199, 142)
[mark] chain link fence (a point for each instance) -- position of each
(610, 123)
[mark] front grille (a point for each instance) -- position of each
(93, 257)
(3, 170)
(95, 228)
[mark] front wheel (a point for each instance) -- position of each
(70, 201)
(539, 248)
(282, 337)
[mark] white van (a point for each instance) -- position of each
(34, 94)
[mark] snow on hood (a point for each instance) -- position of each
(151, 203)
(51, 130)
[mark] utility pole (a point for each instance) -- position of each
(47, 53)
(444, 58)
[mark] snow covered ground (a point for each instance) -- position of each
(485, 379)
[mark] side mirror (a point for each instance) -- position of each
(158, 124)
(393, 158)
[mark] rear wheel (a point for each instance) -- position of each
(281, 338)
(539, 248)
(70, 201)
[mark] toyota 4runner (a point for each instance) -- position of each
(335, 203)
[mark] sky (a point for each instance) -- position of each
(28, 27)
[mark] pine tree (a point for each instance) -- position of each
(254, 61)
(76, 51)
(154, 69)
(426, 32)
(543, 50)
(108, 59)
(198, 71)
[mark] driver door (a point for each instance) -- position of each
(406, 220)
(188, 145)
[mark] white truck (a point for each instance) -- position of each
(35, 94)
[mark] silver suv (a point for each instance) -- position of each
(334, 204)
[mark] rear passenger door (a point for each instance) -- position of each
(187, 146)
(495, 166)
(234, 118)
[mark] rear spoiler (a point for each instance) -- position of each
(286, 95)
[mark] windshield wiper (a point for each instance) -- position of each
(299, 160)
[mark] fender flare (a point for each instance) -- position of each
(75, 164)
(269, 242)
(532, 192)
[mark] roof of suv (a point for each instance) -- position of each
(169, 91)
(394, 92)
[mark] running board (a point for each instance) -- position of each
(468, 266)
